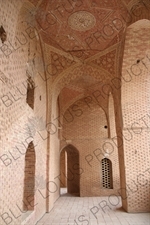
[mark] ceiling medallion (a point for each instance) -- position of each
(81, 21)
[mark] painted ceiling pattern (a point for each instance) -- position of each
(91, 32)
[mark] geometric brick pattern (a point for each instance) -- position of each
(135, 109)
(107, 173)
(59, 64)
(107, 62)
(86, 126)
(85, 129)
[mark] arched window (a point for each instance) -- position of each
(30, 92)
(107, 180)
(29, 178)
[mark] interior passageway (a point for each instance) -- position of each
(75, 112)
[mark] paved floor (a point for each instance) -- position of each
(71, 210)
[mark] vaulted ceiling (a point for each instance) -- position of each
(92, 32)
(82, 28)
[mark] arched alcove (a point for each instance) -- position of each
(29, 178)
(30, 92)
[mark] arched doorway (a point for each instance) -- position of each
(29, 178)
(70, 170)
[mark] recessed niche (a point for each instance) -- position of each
(3, 35)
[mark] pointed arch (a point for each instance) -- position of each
(29, 178)
(70, 169)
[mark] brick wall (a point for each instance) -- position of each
(19, 125)
(135, 111)
(85, 129)
(23, 55)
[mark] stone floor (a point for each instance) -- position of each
(71, 210)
